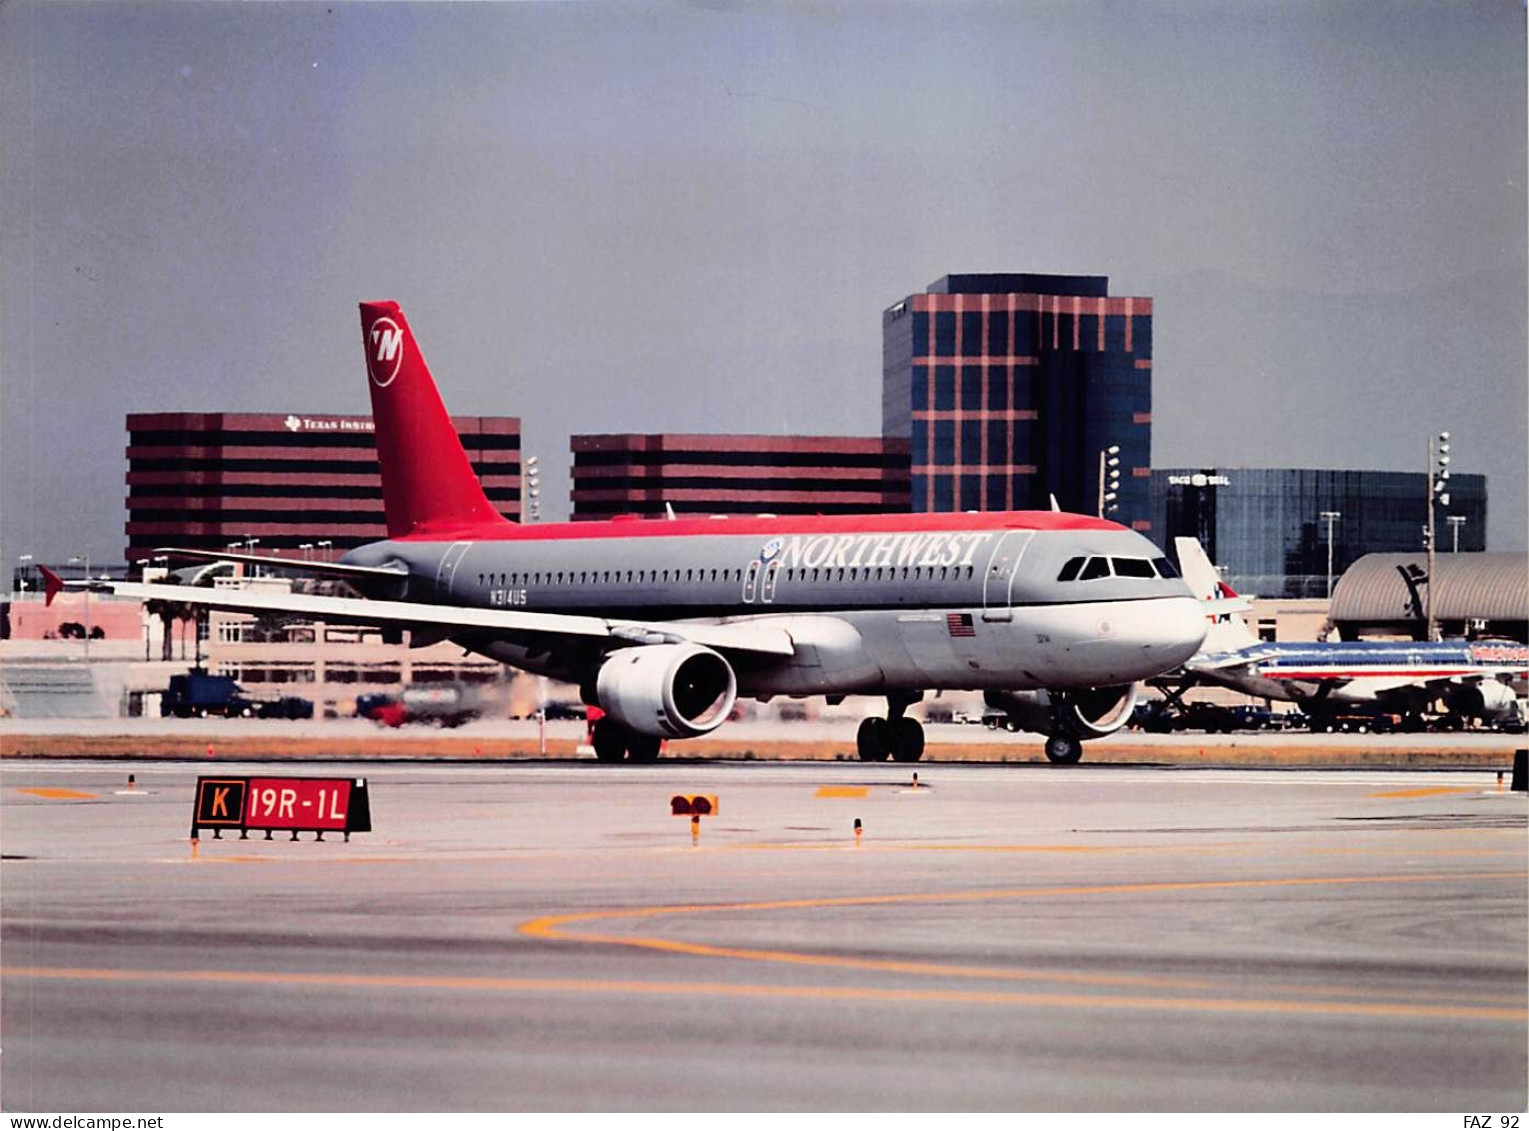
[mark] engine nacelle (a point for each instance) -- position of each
(667, 690)
(1092, 713)
(1489, 700)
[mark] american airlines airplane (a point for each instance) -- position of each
(664, 624)
(1472, 679)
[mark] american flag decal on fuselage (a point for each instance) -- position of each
(960, 624)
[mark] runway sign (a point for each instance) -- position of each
(316, 805)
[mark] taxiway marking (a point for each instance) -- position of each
(682, 990)
(60, 794)
(554, 927)
(1432, 792)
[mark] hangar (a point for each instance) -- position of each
(1476, 596)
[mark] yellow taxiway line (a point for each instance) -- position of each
(691, 989)
(558, 928)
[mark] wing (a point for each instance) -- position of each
(741, 636)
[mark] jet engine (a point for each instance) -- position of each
(667, 690)
(1091, 713)
(1489, 700)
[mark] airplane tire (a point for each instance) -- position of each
(1063, 750)
(907, 737)
(642, 748)
(872, 740)
(609, 741)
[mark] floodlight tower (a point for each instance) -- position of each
(1438, 494)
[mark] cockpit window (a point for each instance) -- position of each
(1164, 567)
(1096, 568)
(1070, 570)
(1132, 567)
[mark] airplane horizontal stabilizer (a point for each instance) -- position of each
(750, 638)
(291, 565)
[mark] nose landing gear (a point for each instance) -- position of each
(1063, 749)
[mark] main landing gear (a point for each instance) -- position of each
(896, 736)
(614, 743)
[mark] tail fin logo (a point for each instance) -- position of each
(385, 354)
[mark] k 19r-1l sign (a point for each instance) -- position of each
(316, 805)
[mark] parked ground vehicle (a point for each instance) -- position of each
(443, 704)
(198, 694)
(1355, 723)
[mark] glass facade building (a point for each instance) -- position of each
(1265, 525)
(1008, 387)
(737, 474)
(203, 480)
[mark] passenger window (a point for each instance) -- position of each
(1071, 569)
(1164, 567)
(1096, 568)
(1132, 567)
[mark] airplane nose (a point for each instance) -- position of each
(1176, 631)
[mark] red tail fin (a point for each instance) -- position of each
(428, 485)
(53, 584)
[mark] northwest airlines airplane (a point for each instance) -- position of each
(665, 623)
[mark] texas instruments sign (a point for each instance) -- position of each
(295, 423)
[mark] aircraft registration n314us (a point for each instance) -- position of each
(664, 624)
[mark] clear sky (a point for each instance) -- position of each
(688, 217)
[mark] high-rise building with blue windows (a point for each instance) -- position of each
(1009, 387)
(1273, 530)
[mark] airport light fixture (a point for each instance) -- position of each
(1456, 521)
(1330, 517)
(26, 568)
(306, 548)
(1438, 495)
(1109, 480)
(533, 481)
(326, 546)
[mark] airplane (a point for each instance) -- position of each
(1473, 679)
(665, 623)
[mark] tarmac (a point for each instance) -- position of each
(544, 936)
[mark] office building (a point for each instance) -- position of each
(207, 480)
(1266, 526)
(1009, 387)
(736, 474)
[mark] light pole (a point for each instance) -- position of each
(87, 602)
(1456, 521)
(533, 480)
(326, 546)
(26, 568)
(1109, 480)
(1330, 517)
(1438, 492)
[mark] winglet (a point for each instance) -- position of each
(53, 584)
